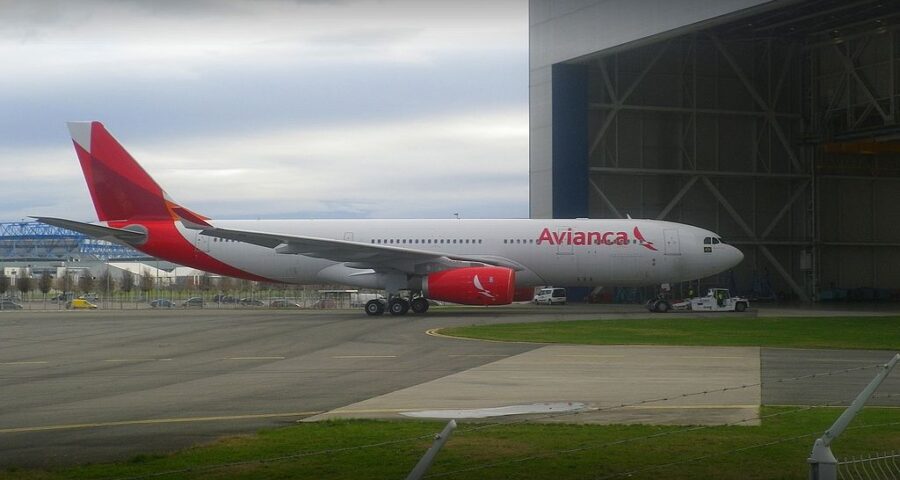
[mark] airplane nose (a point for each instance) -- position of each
(737, 256)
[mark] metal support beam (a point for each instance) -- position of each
(785, 209)
(850, 67)
(421, 468)
(624, 97)
(677, 198)
(773, 121)
(688, 111)
(762, 248)
(605, 199)
(705, 173)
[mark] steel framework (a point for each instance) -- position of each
(38, 241)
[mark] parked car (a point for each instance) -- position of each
(282, 303)
(221, 298)
(550, 296)
(63, 297)
(8, 304)
(162, 303)
(80, 304)
(91, 297)
(251, 302)
(193, 302)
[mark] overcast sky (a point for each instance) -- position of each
(273, 108)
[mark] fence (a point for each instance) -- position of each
(885, 466)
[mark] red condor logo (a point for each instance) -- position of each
(575, 237)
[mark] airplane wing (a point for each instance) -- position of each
(117, 235)
(358, 254)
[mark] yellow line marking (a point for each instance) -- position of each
(155, 421)
(587, 355)
(433, 332)
(120, 360)
(364, 356)
(474, 355)
(24, 363)
(254, 358)
(714, 357)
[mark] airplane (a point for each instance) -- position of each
(471, 262)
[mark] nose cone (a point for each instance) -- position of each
(735, 256)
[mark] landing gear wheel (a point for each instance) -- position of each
(740, 307)
(662, 307)
(398, 306)
(374, 307)
(419, 305)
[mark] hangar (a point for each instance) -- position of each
(773, 123)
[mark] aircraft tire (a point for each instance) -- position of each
(374, 307)
(662, 306)
(398, 306)
(419, 305)
(740, 307)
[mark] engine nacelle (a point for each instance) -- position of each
(472, 286)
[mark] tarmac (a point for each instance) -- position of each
(93, 386)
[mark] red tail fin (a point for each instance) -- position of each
(120, 188)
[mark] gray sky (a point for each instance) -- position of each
(272, 108)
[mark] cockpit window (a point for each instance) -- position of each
(707, 241)
(715, 241)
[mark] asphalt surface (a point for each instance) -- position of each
(80, 387)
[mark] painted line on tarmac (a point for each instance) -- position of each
(701, 357)
(364, 356)
(127, 360)
(25, 363)
(155, 421)
(477, 355)
(433, 332)
(254, 358)
(587, 355)
(687, 407)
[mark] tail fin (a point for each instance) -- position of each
(120, 189)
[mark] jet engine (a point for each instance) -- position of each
(471, 286)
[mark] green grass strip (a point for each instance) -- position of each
(564, 451)
(876, 333)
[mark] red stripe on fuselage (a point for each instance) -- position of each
(166, 242)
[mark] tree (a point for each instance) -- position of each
(226, 284)
(86, 283)
(23, 284)
(126, 282)
(45, 283)
(4, 284)
(105, 283)
(205, 281)
(146, 282)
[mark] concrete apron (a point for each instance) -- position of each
(546, 382)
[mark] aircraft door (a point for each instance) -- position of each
(348, 236)
(203, 242)
(673, 246)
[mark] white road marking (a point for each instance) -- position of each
(24, 363)
(713, 357)
(587, 355)
(474, 355)
(125, 360)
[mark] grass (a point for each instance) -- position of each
(510, 446)
(876, 333)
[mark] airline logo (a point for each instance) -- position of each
(577, 237)
(481, 290)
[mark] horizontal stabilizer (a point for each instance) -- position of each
(118, 235)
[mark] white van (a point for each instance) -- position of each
(550, 296)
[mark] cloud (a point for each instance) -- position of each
(356, 108)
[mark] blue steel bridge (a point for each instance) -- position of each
(35, 241)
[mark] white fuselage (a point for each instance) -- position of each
(546, 252)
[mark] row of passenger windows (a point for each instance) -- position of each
(217, 239)
(396, 241)
(519, 241)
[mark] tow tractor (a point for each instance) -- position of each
(715, 300)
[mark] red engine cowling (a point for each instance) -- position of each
(472, 286)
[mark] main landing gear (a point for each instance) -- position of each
(397, 305)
